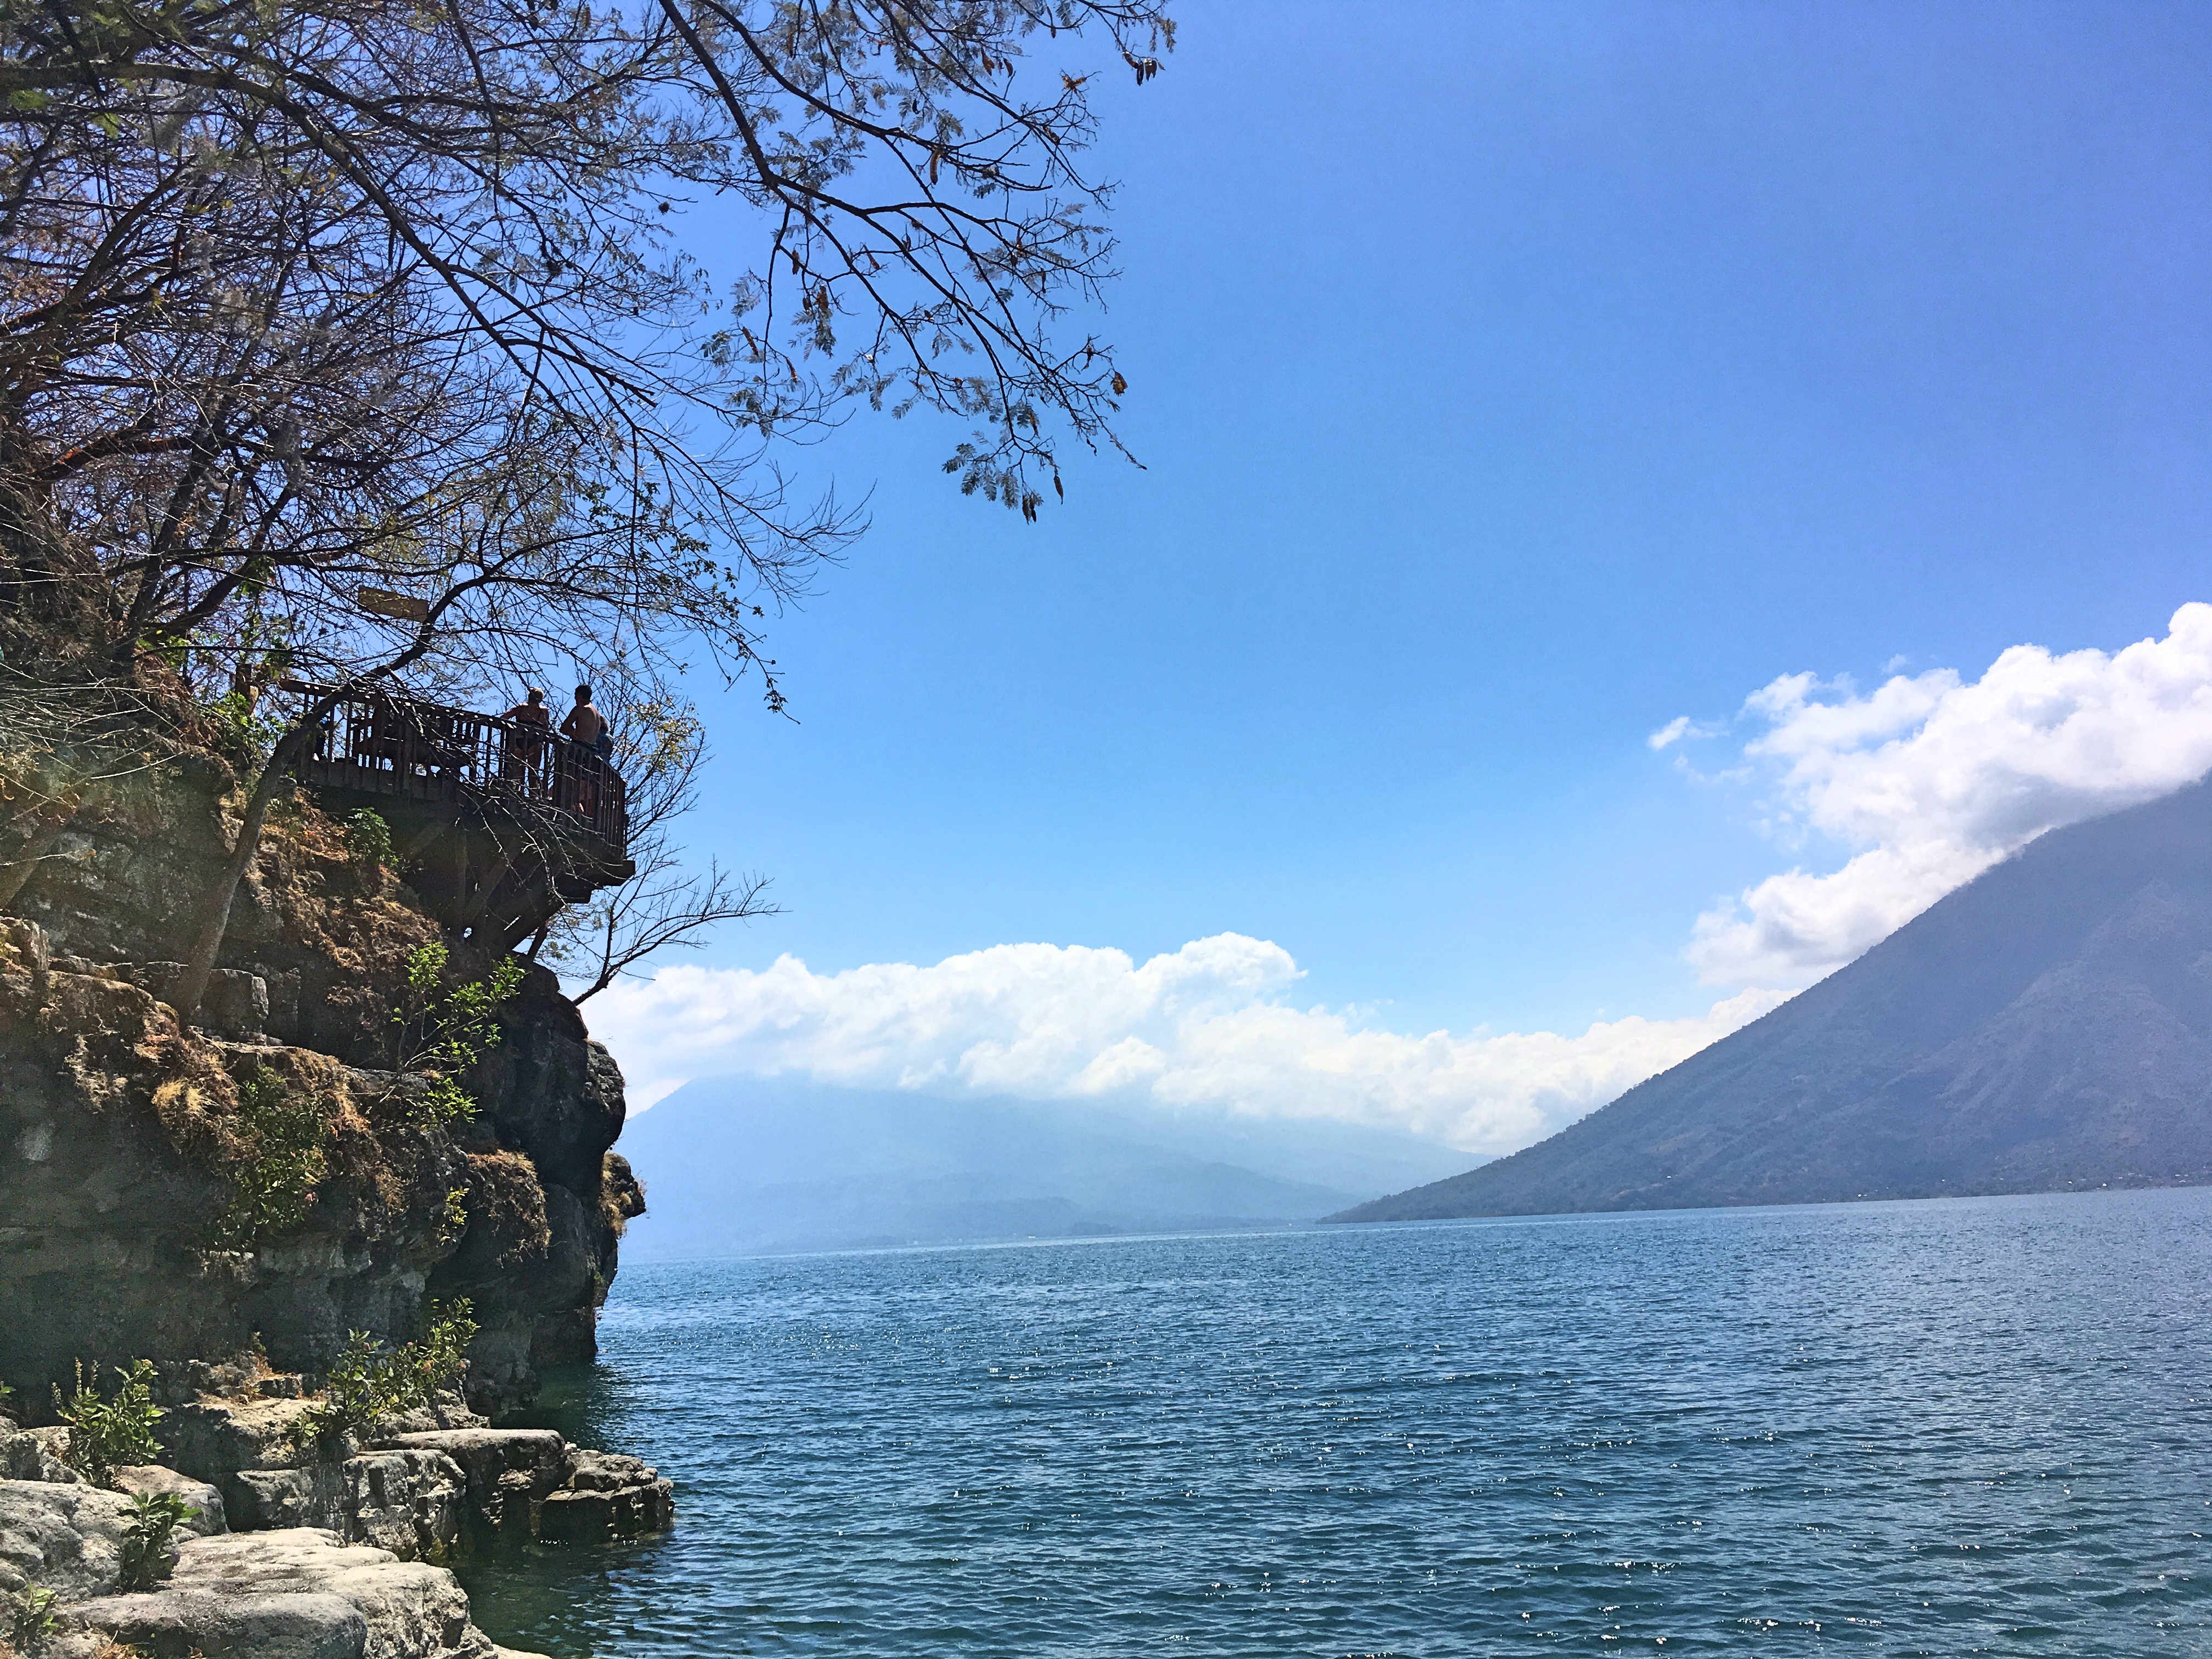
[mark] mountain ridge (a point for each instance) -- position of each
(2047, 1026)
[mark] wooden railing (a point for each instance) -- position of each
(384, 743)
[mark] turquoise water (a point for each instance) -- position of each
(1949, 1427)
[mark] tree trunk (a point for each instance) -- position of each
(215, 913)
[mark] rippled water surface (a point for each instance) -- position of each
(1958, 1426)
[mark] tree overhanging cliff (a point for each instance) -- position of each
(356, 346)
(352, 364)
(352, 377)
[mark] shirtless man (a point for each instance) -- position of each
(587, 726)
(585, 723)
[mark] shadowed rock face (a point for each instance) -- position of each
(523, 1484)
(2047, 1028)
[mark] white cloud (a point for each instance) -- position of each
(1204, 1026)
(1675, 730)
(1923, 782)
(1932, 778)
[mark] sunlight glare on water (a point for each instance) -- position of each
(1943, 1427)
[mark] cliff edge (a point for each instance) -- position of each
(124, 1146)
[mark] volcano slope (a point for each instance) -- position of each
(2047, 1027)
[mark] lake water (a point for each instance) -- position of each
(1949, 1427)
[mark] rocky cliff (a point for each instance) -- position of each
(120, 1144)
(232, 1201)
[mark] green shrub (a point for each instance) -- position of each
(368, 1381)
(369, 837)
(444, 1102)
(273, 1189)
(30, 1612)
(452, 1221)
(443, 1032)
(106, 1435)
(435, 1364)
(470, 1022)
(149, 1537)
(352, 1394)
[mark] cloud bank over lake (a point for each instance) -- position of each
(1916, 786)
(1210, 1025)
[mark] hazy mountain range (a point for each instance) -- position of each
(2048, 1026)
(747, 1166)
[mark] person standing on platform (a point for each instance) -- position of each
(588, 728)
(524, 760)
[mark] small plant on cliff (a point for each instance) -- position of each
(149, 1537)
(443, 1032)
(352, 1397)
(453, 1220)
(369, 1382)
(31, 1614)
(369, 837)
(435, 1364)
(106, 1435)
(273, 1188)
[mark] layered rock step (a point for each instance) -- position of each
(411, 1488)
(608, 1495)
(530, 1483)
(301, 1546)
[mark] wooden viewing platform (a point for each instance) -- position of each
(496, 824)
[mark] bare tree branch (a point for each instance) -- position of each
(299, 298)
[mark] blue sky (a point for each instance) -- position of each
(1509, 381)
